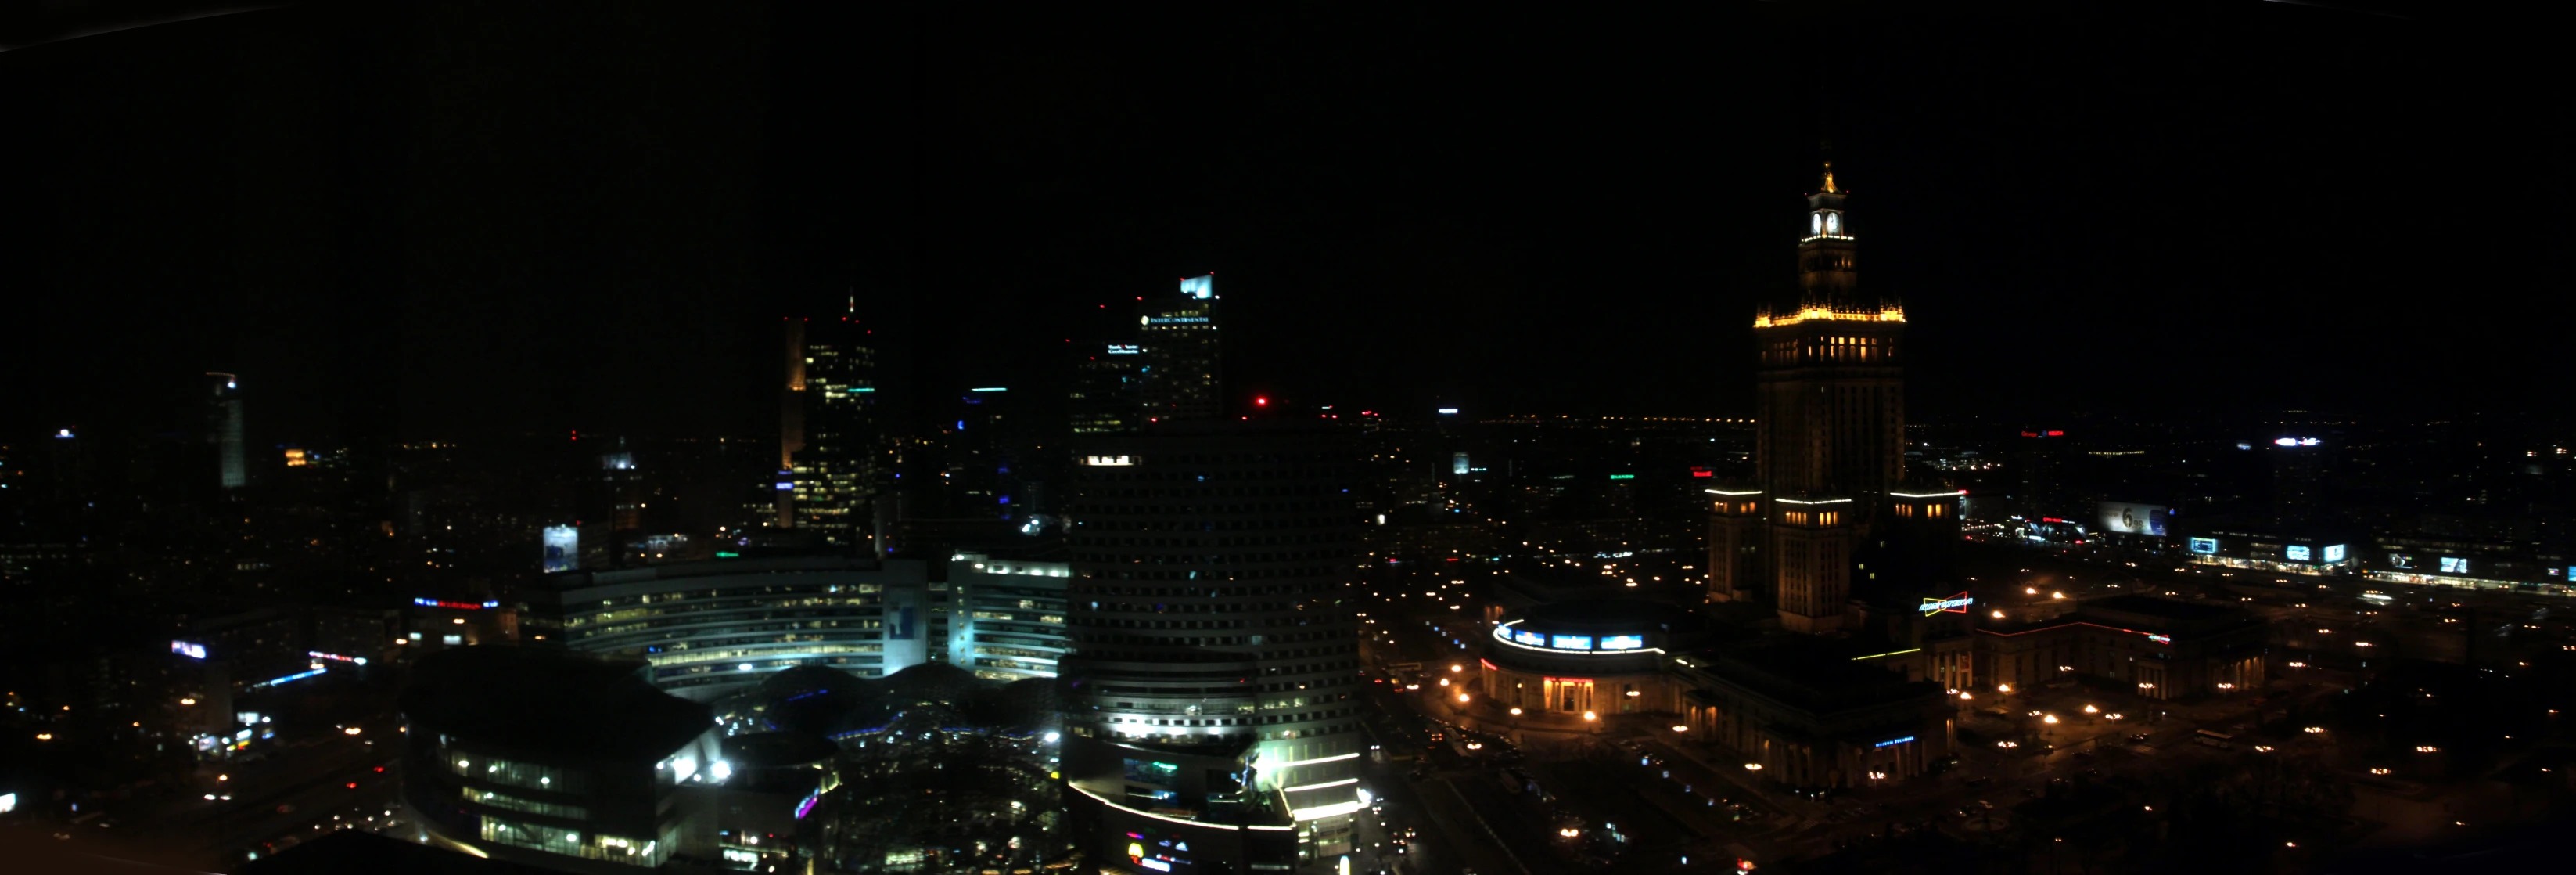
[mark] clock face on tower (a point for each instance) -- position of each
(1833, 223)
(1815, 223)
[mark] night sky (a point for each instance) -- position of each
(440, 220)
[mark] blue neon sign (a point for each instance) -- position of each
(1570, 642)
(1894, 741)
(1622, 642)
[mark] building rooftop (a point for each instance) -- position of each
(1819, 675)
(542, 701)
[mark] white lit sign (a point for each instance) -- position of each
(1622, 642)
(2296, 442)
(1176, 320)
(316, 654)
(563, 547)
(1200, 287)
(2334, 553)
(1448, 410)
(1570, 642)
(1124, 349)
(1109, 460)
(2297, 553)
(1957, 604)
(2454, 565)
(2205, 546)
(8, 802)
(1525, 636)
(188, 649)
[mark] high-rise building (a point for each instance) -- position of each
(1181, 369)
(1212, 694)
(224, 429)
(1829, 443)
(835, 468)
(1108, 390)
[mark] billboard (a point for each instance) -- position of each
(2334, 553)
(563, 548)
(2297, 553)
(1200, 287)
(2135, 519)
(2206, 546)
(189, 649)
(1622, 642)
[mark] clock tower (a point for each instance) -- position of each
(1829, 440)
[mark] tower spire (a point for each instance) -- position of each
(1829, 179)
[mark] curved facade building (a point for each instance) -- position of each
(711, 628)
(1213, 677)
(1594, 657)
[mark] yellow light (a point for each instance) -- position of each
(1587, 715)
(1999, 615)
(1455, 667)
(2030, 590)
(1753, 767)
(44, 736)
(1681, 729)
(2057, 595)
(2052, 718)
(349, 731)
(1444, 682)
(2088, 709)
(187, 701)
(1516, 712)
(1462, 698)
(2003, 688)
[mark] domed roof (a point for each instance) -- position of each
(809, 679)
(932, 682)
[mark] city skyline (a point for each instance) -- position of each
(2079, 239)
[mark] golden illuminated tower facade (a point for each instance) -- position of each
(1829, 442)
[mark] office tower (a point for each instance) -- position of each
(224, 429)
(836, 468)
(791, 421)
(1108, 384)
(1181, 370)
(1735, 536)
(2296, 465)
(556, 760)
(1212, 682)
(1830, 436)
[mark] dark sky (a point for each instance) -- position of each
(444, 219)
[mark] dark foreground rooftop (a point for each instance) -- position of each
(550, 701)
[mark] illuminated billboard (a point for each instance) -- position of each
(1200, 287)
(1112, 461)
(1570, 642)
(563, 548)
(1125, 349)
(1530, 638)
(2297, 553)
(189, 649)
(2334, 553)
(1622, 642)
(1957, 604)
(2454, 565)
(2205, 546)
(2135, 519)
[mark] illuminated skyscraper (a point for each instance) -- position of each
(835, 468)
(224, 429)
(1181, 370)
(1108, 390)
(1830, 442)
(1212, 693)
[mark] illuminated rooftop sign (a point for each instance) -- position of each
(2334, 553)
(189, 649)
(1530, 638)
(462, 606)
(2160, 639)
(2204, 546)
(1176, 320)
(1622, 642)
(1200, 287)
(2296, 442)
(1124, 349)
(1109, 460)
(1623, 476)
(1957, 604)
(1449, 411)
(2298, 553)
(316, 654)
(990, 389)
(1893, 742)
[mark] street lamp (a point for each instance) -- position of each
(1587, 715)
